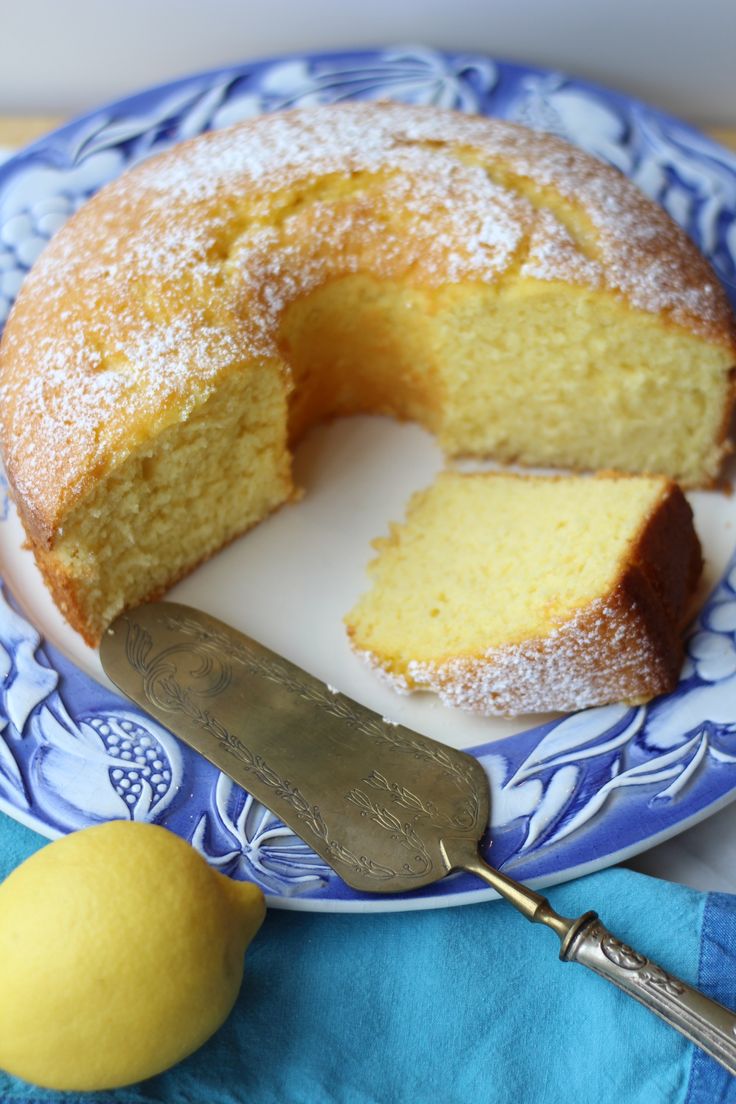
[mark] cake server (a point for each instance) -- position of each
(388, 809)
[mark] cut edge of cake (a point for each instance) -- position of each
(624, 645)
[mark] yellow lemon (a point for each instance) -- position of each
(121, 952)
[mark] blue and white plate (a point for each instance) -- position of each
(570, 793)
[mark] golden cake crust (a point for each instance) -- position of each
(626, 645)
(157, 289)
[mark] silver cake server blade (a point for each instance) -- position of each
(388, 809)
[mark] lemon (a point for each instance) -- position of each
(121, 952)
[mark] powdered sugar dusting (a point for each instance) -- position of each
(183, 267)
(474, 236)
(601, 654)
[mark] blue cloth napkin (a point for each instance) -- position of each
(461, 1006)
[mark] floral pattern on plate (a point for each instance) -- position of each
(568, 796)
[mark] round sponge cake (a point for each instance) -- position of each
(515, 296)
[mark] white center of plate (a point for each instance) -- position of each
(289, 582)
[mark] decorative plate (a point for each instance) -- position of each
(572, 793)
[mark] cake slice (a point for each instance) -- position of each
(519, 594)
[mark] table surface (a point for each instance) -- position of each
(703, 857)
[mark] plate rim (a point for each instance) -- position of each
(516, 70)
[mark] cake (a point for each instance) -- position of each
(516, 297)
(518, 594)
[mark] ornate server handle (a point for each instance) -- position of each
(705, 1022)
